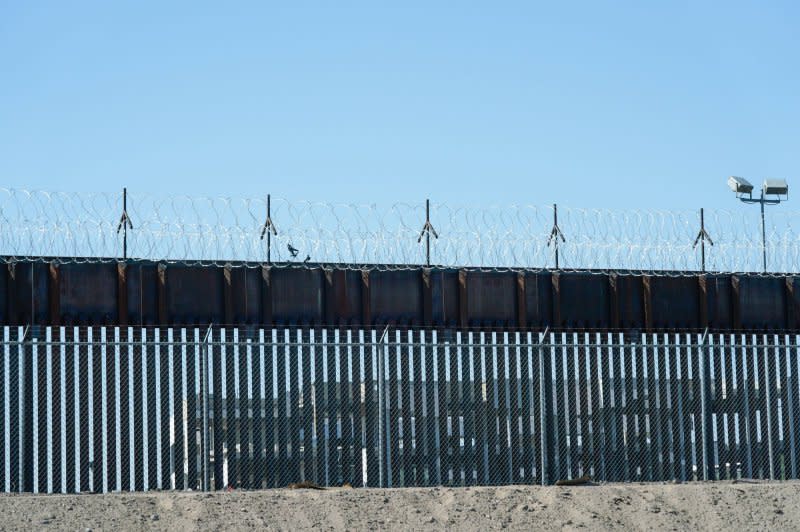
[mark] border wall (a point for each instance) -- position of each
(150, 293)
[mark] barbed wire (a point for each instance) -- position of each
(85, 228)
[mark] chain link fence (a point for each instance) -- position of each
(105, 409)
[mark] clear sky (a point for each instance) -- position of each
(584, 103)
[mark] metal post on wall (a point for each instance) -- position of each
(555, 234)
(383, 415)
(702, 236)
(21, 379)
(705, 403)
(427, 229)
(382, 428)
(124, 224)
(545, 397)
(204, 389)
(769, 361)
(268, 229)
(763, 235)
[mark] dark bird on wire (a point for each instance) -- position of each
(292, 250)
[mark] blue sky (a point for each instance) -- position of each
(592, 103)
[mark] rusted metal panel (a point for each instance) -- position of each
(583, 300)
(227, 294)
(266, 295)
(555, 279)
(366, 298)
(10, 294)
(241, 295)
(445, 297)
(763, 302)
(714, 293)
(463, 299)
(88, 293)
(148, 293)
(647, 303)
(133, 278)
(342, 303)
(613, 302)
(54, 295)
(328, 297)
(6, 317)
(161, 295)
(792, 319)
(702, 300)
(396, 297)
(522, 311)
(719, 302)
(674, 302)
(348, 296)
(297, 296)
(195, 294)
(340, 307)
(491, 298)
(41, 293)
(245, 295)
(122, 293)
(31, 295)
(539, 299)
(736, 302)
(427, 297)
(630, 301)
(142, 292)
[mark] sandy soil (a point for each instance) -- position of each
(711, 506)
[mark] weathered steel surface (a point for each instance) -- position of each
(630, 301)
(396, 297)
(297, 296)
(584, 300)
(538, 299)
(80, 299)
(444, 297)
(143, 293)
(719, 299)
(491, 298)
(27, 293)
(762, 301)
(792, 303)
(194, 295)
(674, 302)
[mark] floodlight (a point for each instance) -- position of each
(775, 187)
(740, 185)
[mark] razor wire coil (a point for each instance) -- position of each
(84, 228)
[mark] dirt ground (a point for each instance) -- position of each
(742, 505)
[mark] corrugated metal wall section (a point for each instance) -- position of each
(144, 293)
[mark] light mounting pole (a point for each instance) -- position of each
(777, 188)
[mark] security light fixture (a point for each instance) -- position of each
(775, 187)
(773, 191)
(740, 185)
